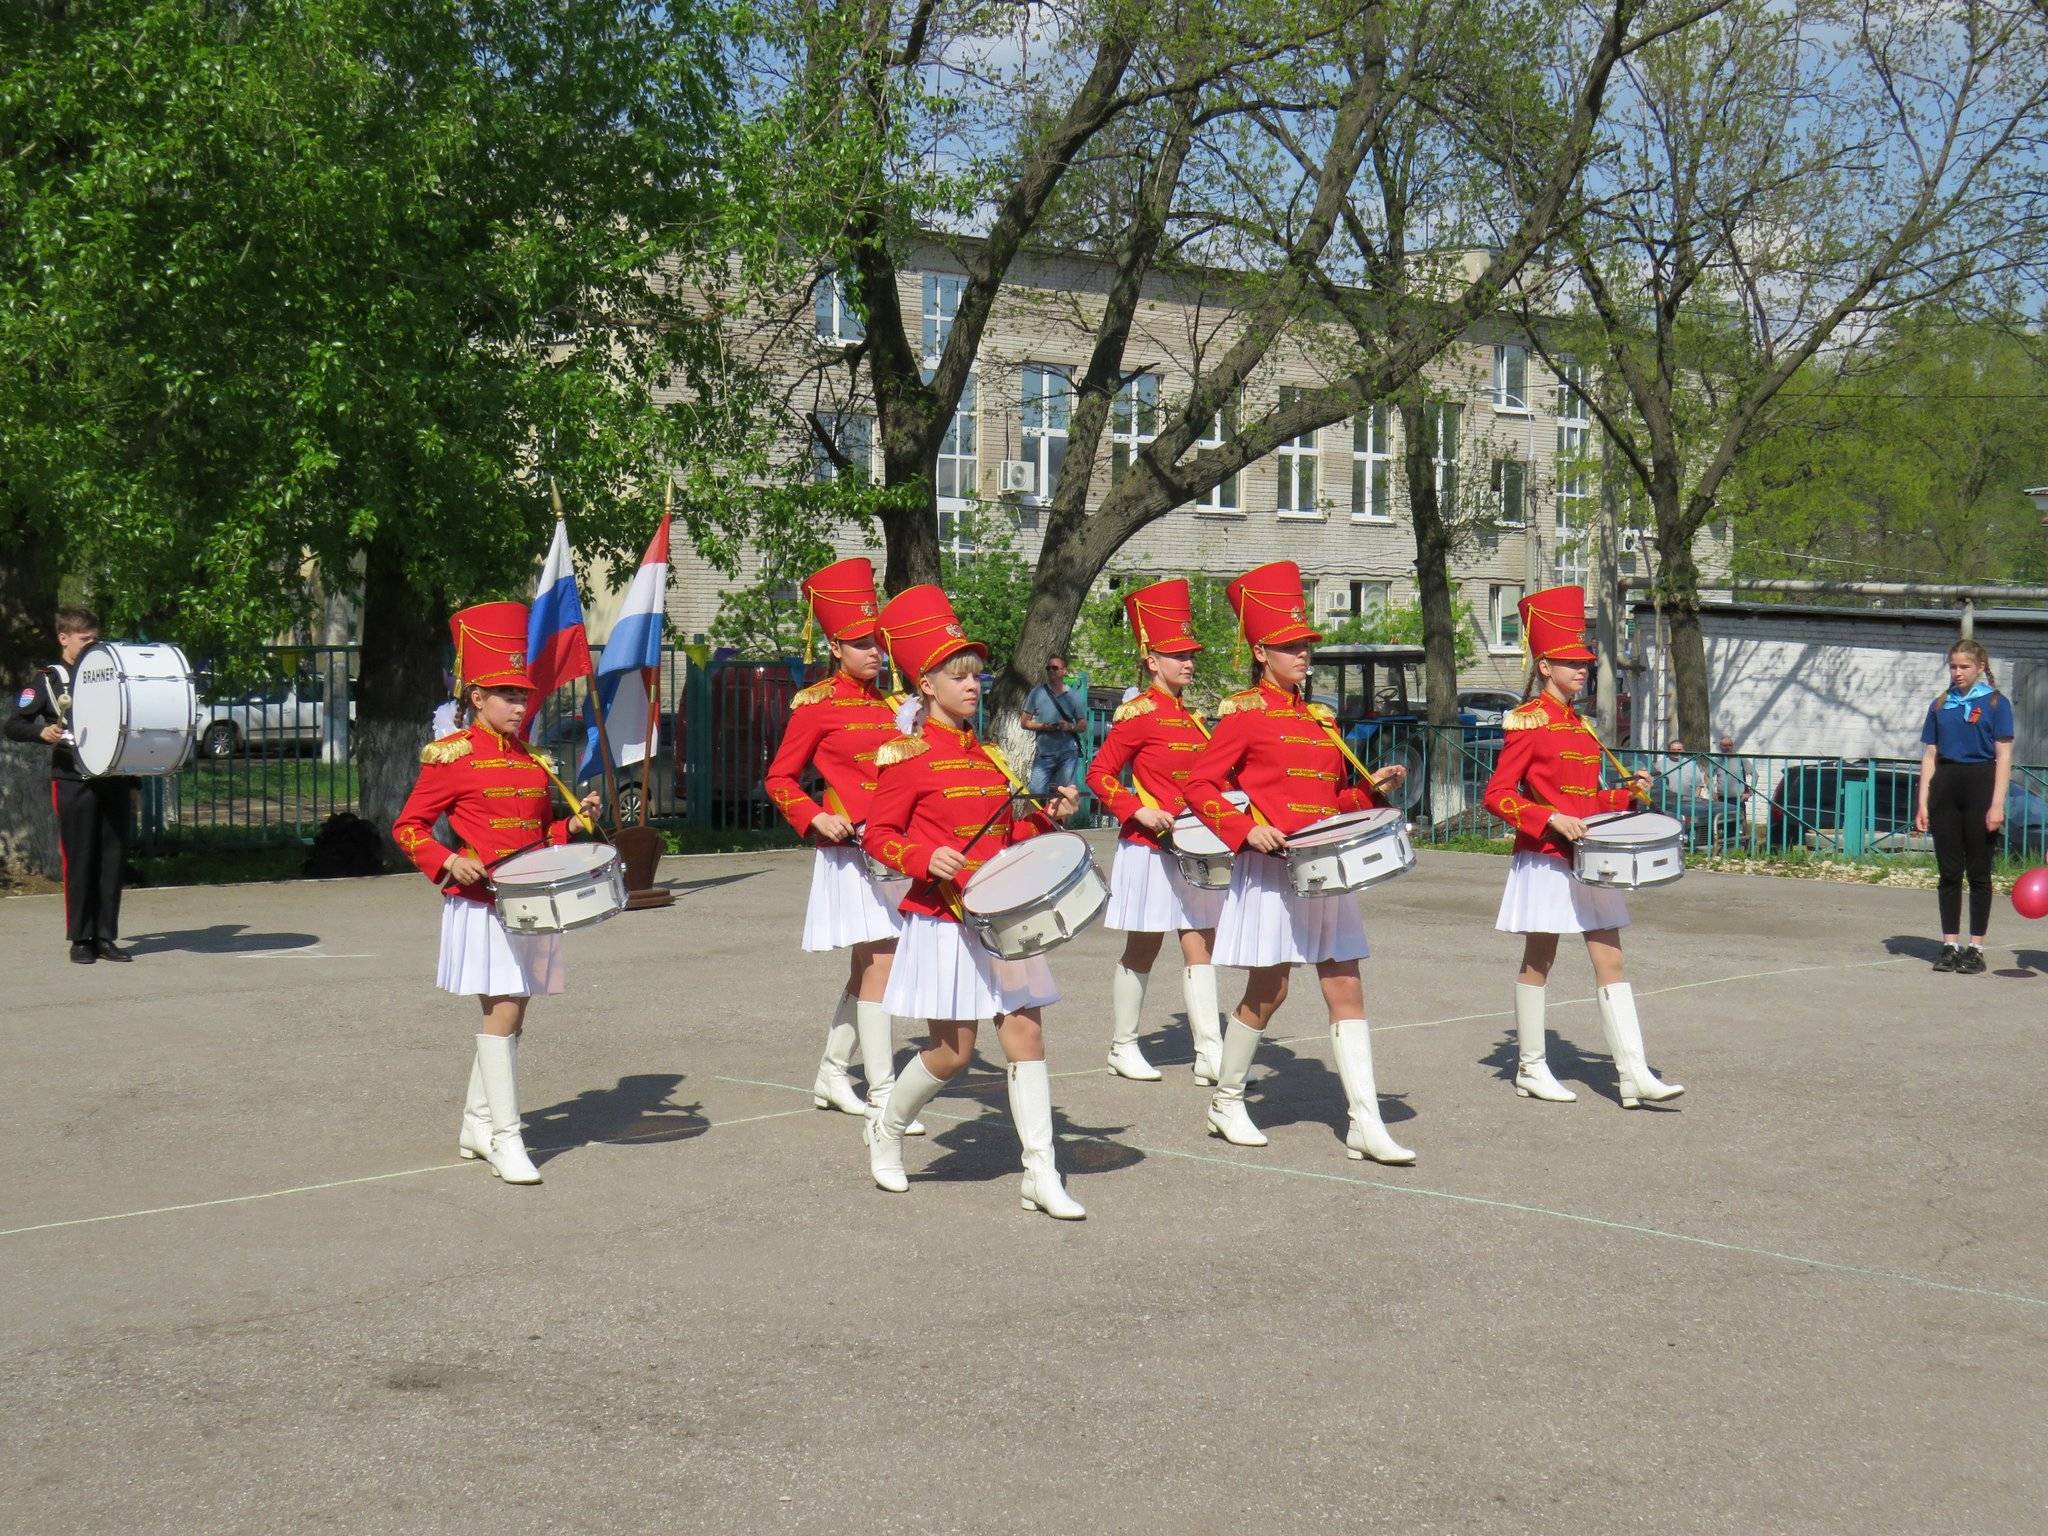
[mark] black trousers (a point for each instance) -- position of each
(1957, 802)
(92, 829)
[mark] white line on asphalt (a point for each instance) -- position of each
(371, 1178)
(299, 954)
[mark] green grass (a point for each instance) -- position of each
(332, 784)
(205, 864)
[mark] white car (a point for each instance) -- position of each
(282, 713)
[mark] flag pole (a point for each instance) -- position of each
(604, 746)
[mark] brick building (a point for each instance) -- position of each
(1519, 451)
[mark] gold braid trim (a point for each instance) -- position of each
(1527, 718)
(901, 750)
(811, 695)
(447, 750)
(1141, 705)
(1250, 698)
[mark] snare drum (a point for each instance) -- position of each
(1034, 896)
(1629, 850)
(134, 709)
(1203, 857)
(551, 890)
(1350, 852)
(878, 872)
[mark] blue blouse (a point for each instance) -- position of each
(1970, 734)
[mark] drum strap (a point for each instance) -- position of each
(1364, 773)
(1614, 762)
(568, 794)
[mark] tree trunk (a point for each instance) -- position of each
(28, 599)
(910, 526)
(403, 641)
(1432, 567)
(1678, 583)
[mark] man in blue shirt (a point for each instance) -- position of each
(1057, 716)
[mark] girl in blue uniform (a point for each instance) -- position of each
(1965, 766)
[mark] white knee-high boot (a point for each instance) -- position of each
(1127, 1005)
(914, 1089)
(1367, 1136)
(1227, 1115)
(507, 1154)
(1031, 1109)
(474, 1139)
(877, 1030)
(832, 1088)
(1205, 1027)
(1532, 1067)
(1625, 1044)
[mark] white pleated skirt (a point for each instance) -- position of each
(1266, 921)
(1148, 894)
(1543, 896)
(479, 958)
(846, 906)
(943, 972)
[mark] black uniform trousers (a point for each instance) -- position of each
(1957, 802)
(92, 829)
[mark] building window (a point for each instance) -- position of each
(1442, 421)
(838, 325)
(853, 435)
(1297, 457)
(1367, 596)
(941, 303)
(1371, 467)
(1572, 376)
(956, 533)
(1133, 422)
(1574, 470)
(1505, 619)
(1047, 404)
(1510, 477)
(1222, 497)
(956, 471)
(1510, 378)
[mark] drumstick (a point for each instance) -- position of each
(1641, 794)
(575, 805)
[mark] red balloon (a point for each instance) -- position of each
(2030, 894)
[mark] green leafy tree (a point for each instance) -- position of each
(1102, 638)
(991, 587)
(333, 288)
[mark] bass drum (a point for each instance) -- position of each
(134, 709)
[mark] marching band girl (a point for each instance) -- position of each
(1284, 754)
(837, 727)
(494, 791)
(1546, 783)
(1157, 737)
(942, 811)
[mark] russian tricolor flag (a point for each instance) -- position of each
(627, 673)
(556, 650)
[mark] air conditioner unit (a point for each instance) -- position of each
(1340, 602)
(1631, 541)
(1020, 477)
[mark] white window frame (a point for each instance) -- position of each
(1509, 397)
(823, 469)
(959, 456)
(942, 293)
(1513, 509)
(1044, 415)
(1372, 466)
(952, 541)
(1133, 422)
(1574, 504)
(837, 324)
(1298, 461)
(1444, 464)
(1226, 497)
(1382, 591)
(1501, 611)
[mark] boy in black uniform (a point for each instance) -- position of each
(92, 814)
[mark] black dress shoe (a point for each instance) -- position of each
(1949, 957)
(106, 951)
(83, 954)
(1970, 962)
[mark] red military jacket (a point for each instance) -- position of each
(495, 794)
(1158, 737)
(1279, 749)
(1549, 762)
(836, 726)
(939, 788)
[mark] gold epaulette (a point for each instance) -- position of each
(1143, 704)
(811, 695)
(447, 750)
(900, 750)
(1526, 717)
(1322, 712)
(1249, 698)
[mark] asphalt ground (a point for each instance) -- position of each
(245, 1284)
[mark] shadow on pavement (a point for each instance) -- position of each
(691, 887)
(221, 939)
(636, 1110)
(1916, 946)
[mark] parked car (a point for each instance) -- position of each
(286, 712)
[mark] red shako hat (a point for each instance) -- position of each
(841, 599)
(921, 630)
(490, 646)
(1554, 625)
(1270, 605)
(1162, 617)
